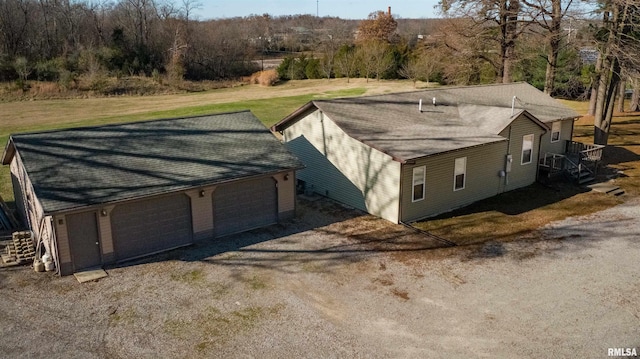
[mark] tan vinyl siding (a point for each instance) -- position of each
(64, 264)
(546, 146)
(482, 180)
(29, 205)
(33, 212)
(522, 175)
(201, 212)
(106, 237)
(342, 168)
(286, 193)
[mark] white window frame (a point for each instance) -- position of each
(420, 180)
(556, 128)
(460, 169)
(525, 148)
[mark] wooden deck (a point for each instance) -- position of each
(579, 162)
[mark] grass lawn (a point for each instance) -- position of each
(517, 213)
(269, 104)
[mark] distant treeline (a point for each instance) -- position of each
(61, 41)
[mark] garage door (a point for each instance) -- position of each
(150, 226)
(244, 205)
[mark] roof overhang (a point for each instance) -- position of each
(9, 152)
(531, 117)
(414, 159)
(295, 116)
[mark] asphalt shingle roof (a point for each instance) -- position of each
(87, 166)
(461, 117)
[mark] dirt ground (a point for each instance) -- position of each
(334, 283)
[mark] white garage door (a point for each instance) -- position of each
(242, 206)
(150, 226)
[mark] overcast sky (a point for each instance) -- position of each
(346, 9)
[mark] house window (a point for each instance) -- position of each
(459, 173)
(555, 131)
(527, 149)
(418, 183)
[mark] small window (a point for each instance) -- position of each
(527, 149)
(555, 131)
(418, 183)
(459, 173)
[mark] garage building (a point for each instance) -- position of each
(100, 195)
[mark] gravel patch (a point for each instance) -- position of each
(335, 283)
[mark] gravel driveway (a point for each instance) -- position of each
(338, 284)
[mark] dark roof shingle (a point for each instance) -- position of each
(80, 167)
(461, 117)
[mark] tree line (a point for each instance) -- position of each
(54, 40)
(477, 41)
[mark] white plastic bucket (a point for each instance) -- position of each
(48, 266)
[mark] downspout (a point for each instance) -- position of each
(54, 245)
(506, 174)
(538, 158)
(570, 138)
(400, 195)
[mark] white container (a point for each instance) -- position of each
(46, 258)
(48, 266)
(38, 266)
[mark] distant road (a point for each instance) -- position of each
(267, 64)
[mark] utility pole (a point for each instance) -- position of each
(317, 8)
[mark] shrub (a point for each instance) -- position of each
(312, 70)
(285, 66)
(264, 78)
(268, 77)
(66, 79)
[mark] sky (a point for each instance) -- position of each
(346, 9)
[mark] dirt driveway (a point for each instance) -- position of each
(336, 284)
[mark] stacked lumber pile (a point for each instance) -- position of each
(20, 250)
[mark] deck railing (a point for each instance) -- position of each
(589, 152)
(553, 161)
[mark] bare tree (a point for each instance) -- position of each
(422, 65)
(347, 61)
(635, 97)
(550, 15)
(378, 56)
(620, 48)
(622, 89)
(412, 70)
(492, 20)
(14, 23)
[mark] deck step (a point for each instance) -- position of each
(617, 192)
(586, 179)
(608, 188)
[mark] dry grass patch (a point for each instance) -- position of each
(621, 158)
(213, 327)
(515, 214)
